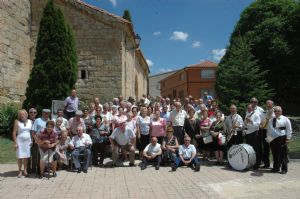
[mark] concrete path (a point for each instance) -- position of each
(131, 182)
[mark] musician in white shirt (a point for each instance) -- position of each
(81, 144)
(263, 146)
(257, 108)
(280, 129)
(233, 127)
(251, 128)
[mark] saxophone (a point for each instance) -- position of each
(233, 130)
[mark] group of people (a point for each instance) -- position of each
(163, 131)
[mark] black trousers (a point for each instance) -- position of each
(279, 152)
(263, 147)
(251, 139)
(98, 148)
(69, 115)
(179, 134)
(35, 159)
(235, 139)
(156, 159)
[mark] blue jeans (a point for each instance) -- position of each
(179, 163)
(86, 154)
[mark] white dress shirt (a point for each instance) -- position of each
(230, 119)
(177, 118)
(77, 141)
(187, 152)
(254, 123)
(281, 122)
(122, 138)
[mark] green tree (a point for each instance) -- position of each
(127, 15)
(55, 66)
(240, 78)
(272, 27)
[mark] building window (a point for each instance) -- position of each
(82, 74)
(210, 91)
(181, 77)
(158, 86)
(181, 95)
(207, 73)
(174, 94)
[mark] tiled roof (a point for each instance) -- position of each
(205, 64)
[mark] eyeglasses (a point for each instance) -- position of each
(33, 112)
(277, 111)
(253, 101)
(187, 140)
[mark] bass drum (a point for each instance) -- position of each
(241, 157)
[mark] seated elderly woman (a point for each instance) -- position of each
(62, 147)
(169, 146)
(47, 141)
(99, 136)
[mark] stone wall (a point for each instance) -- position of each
(15, 45)
(102, 48)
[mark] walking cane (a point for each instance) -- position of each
(48, 165)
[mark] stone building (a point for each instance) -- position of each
(154, 82)
(191, 80)
(110, 62)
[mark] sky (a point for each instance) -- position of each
(178, 33)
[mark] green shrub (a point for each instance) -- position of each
(8, 114)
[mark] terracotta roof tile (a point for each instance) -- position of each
(204, 64)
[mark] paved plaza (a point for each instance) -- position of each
(131, 182)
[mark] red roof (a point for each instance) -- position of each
(205, 64)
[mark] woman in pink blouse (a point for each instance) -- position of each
(158, 127)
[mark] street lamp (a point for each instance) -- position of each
(137, 40)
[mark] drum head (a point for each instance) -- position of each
(238, 157)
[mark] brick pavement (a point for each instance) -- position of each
(131, 182)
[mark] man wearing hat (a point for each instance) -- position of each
(123, 138)
(38, 125)
(75, 122)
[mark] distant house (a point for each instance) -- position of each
(191, 80)
(154, 82)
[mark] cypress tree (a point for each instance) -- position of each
(240, 78)
(127, 15)
(54, 71)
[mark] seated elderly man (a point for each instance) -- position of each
(122, 138)
(47, 141)
(187, 155)
(81, 144)
(152, 152)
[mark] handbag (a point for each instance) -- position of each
(207, 138)
(221, 139)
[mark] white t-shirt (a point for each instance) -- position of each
(152, 150)
(122, 138)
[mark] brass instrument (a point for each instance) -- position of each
(233, 130)
(265, 122)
